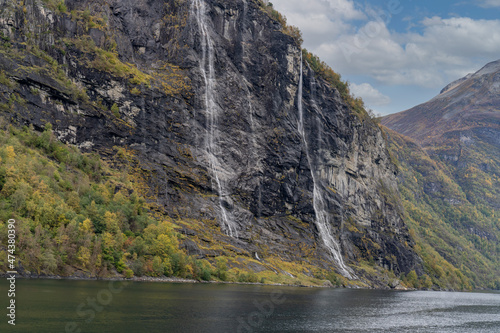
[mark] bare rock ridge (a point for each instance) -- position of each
(205, 93)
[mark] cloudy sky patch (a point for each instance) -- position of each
(490, 3)
(370, 95)
(398, 54)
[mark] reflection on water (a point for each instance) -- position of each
(97, 306)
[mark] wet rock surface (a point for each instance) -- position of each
(235, 156)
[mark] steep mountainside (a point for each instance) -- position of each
(469, 104)
(457, 237)
(226, 129)
(451, 173)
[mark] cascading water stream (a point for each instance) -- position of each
(319, 205)
(212, 149)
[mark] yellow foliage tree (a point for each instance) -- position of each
(86, 227)
(83, 256)
(112, 223)
(164, 245)
(9, 152)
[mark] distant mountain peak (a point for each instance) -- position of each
(470, 102)
(490, 68)
(455, 84)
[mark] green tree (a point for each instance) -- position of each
(158, 267)
(164, 246)
(112, 223)
(221, 268)
(83, 256)
(49, 262)
(411, 279)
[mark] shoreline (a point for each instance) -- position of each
(162, 280)
(177, 280)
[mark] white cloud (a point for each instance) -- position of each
(430, 59)
(371, 96)
(356, 42)
(346, 9)
(319, 20)
(489, 3)
(335, 9)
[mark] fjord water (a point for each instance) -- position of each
(51, 305)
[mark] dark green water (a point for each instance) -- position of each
(66, 306)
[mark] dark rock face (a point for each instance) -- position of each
(225, 147)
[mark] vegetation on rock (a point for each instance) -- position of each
(456, 232)
(76, 215)
(145, 206)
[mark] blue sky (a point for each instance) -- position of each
(398, 53)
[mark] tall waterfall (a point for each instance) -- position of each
(322, 219)
(212, 148)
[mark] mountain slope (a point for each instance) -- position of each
(451, 177)
(470, 103)
(456, 237)
(254, 152)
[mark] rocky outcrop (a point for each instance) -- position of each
(206, 95)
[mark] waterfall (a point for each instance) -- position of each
(318, 111)
(319, 205)
(212, 148)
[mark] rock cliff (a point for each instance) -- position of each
(228, 130)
